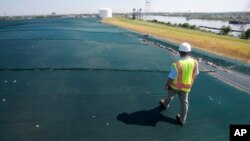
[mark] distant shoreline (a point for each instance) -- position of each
(223, 16)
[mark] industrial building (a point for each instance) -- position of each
(105, 13)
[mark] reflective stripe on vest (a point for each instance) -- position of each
(178, 82)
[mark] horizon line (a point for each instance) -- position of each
(89, 13)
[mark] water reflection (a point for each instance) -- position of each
(199, 22)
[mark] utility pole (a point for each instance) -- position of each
(134, 13)
(140, 14)
(188, 15)
(147, 9)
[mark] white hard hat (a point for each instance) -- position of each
(185, 47)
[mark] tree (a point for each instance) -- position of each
(224, 30)
(134, 12)
(168, 23)
(243, 35)
(193, 27)
(247, 33)
(185, 25)
(154, 21)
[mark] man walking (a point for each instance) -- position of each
(180, 80)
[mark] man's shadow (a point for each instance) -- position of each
(146, 117)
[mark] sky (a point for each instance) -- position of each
(38, 7)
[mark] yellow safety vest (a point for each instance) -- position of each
(185, 70)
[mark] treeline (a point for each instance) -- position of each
(224, 30)
(184, 25)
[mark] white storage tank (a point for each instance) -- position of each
(105, 13)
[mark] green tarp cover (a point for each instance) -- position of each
(78, 79)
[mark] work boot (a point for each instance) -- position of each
(179, 121)
(161, 102)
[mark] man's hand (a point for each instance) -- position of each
(166, 87)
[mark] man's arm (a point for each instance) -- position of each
(172, 75)
(197, 70)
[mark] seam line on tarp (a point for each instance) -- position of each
(89, 41)
(89, 69)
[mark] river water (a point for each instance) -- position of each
(199, 22)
